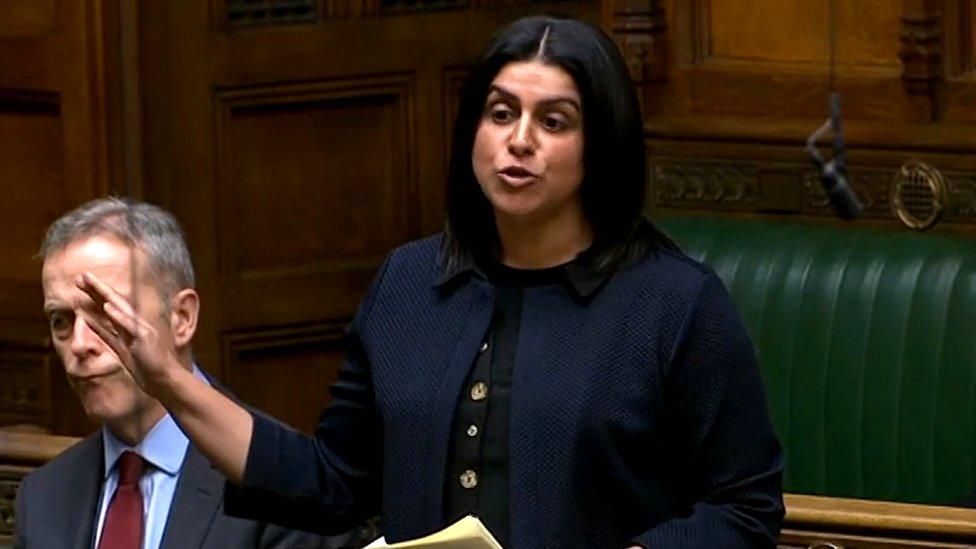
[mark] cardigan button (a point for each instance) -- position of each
(479, 391)
(472, 430)
(484, 347)
(468, 479)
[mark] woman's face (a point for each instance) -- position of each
(528, 149)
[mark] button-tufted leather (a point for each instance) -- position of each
(867, 343)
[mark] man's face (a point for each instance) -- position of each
(107, 391)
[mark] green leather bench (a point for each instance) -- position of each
(867, 345)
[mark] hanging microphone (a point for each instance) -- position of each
(833, 173)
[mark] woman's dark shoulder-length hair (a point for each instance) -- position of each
(614, 163)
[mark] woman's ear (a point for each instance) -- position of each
(184, 312)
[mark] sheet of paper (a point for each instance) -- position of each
(467, 533)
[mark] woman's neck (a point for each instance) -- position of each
(535, 244)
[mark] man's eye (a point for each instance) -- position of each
(61, 324)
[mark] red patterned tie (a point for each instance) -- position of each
(123, 521)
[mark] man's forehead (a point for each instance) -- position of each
(105, 256)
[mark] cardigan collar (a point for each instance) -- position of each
(580, 275)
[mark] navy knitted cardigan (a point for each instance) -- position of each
(637, 414)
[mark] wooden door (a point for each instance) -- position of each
(57, 151)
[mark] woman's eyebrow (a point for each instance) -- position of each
(572, 101)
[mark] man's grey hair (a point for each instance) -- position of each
(154, 230)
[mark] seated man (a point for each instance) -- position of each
(137, 482)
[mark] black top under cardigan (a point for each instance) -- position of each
(637, 414)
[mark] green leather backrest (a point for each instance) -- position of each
(867, 345)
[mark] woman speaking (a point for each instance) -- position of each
(551, 362)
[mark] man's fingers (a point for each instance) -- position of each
(130, 324)
(113, 339)
(101, 292)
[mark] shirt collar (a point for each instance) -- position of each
(164, 446)
(581, 275)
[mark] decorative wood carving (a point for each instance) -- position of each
(19, 453)
(24, 386)
(696, 184)
(873, 188)
(396, 7)
(921, 54)
(8, 497)
(764, 186)
(257, 13)
(640, 29)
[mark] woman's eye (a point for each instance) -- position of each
(554, 122)
(501, 114)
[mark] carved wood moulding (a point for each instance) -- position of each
(260, 13)
(24, 386)
(758, 186)
(9, 483)
(921, 53)
(639, 27)
(248, 14)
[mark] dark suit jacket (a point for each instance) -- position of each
(636, 413)
(57, 505)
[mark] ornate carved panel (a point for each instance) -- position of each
(873, 188)
(393, 7)
(9, 482)
(640, 30)
(784, 187)
(720, 185)
(316, 184)
(256, 13)
(285, 371)
(24, 386)
(921, 53)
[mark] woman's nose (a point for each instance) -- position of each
(522, 141)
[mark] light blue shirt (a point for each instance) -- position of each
(163, 448)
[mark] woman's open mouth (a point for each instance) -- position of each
(516, 176)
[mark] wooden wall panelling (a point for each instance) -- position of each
(306, 204)
(729, 73)
(733, 61)
(54, 149)
(284, 372)
(686, 177)
(732, 80)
